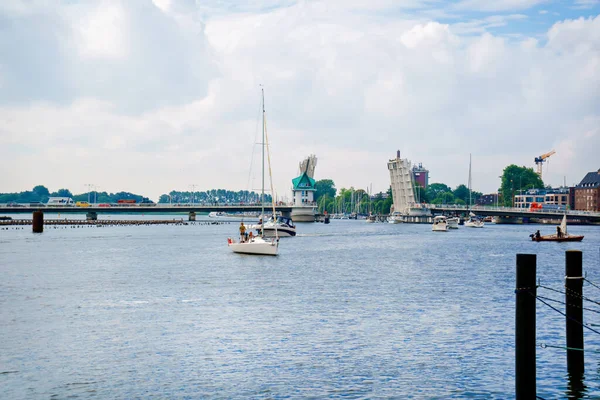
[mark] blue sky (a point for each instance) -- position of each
(151, 96)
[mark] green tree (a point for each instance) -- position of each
(515, 179)
(62, 193)
(434, 190)
(41, 191)
(444, 198)
(324, 187)
(462, 192)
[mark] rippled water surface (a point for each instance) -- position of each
(347, 310)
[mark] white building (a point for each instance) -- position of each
(303, 191)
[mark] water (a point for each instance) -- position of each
(347, 310)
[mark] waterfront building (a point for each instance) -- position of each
(488, 199)
(587, 193)
(526, 198)
(420, 175)
(558, 197)
(550, 198)
(402, 182)
(303, 191)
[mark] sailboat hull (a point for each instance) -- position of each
(554, 238)
(474, 224)
(256, 246)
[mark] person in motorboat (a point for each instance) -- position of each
(242, 232)
(537, 234)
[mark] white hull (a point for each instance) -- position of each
(285, 228)
(281, 232)
(474, 224)
(452, 223)
(440, 224)
(256, 246)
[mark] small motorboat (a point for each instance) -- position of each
(440, 224)
(280, 227)
(453, 222)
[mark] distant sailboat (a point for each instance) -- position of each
(473, 221)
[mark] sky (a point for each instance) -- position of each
(149, 96)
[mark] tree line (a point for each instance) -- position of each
(41, 194)
(213, 196)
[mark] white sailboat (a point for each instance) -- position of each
(259, 245)
(473, 221)
(370, 218)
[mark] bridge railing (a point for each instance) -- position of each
(513, 210)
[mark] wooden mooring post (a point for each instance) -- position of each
(526, 292)
(574, 311)
(38, 221)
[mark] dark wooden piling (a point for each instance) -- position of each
(38, 221)
(574, 311)
(525, 327)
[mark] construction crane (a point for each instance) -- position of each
(539, 161)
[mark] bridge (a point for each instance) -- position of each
(285, 210)
(584, 216)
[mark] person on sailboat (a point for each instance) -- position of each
(558, 232)
(242, 232)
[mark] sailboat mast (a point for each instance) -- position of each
(262, 192)
(469, 181)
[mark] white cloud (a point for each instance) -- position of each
(103, 32)
(163, 5)
(497, 5)
(174, 100)
(586, 4)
